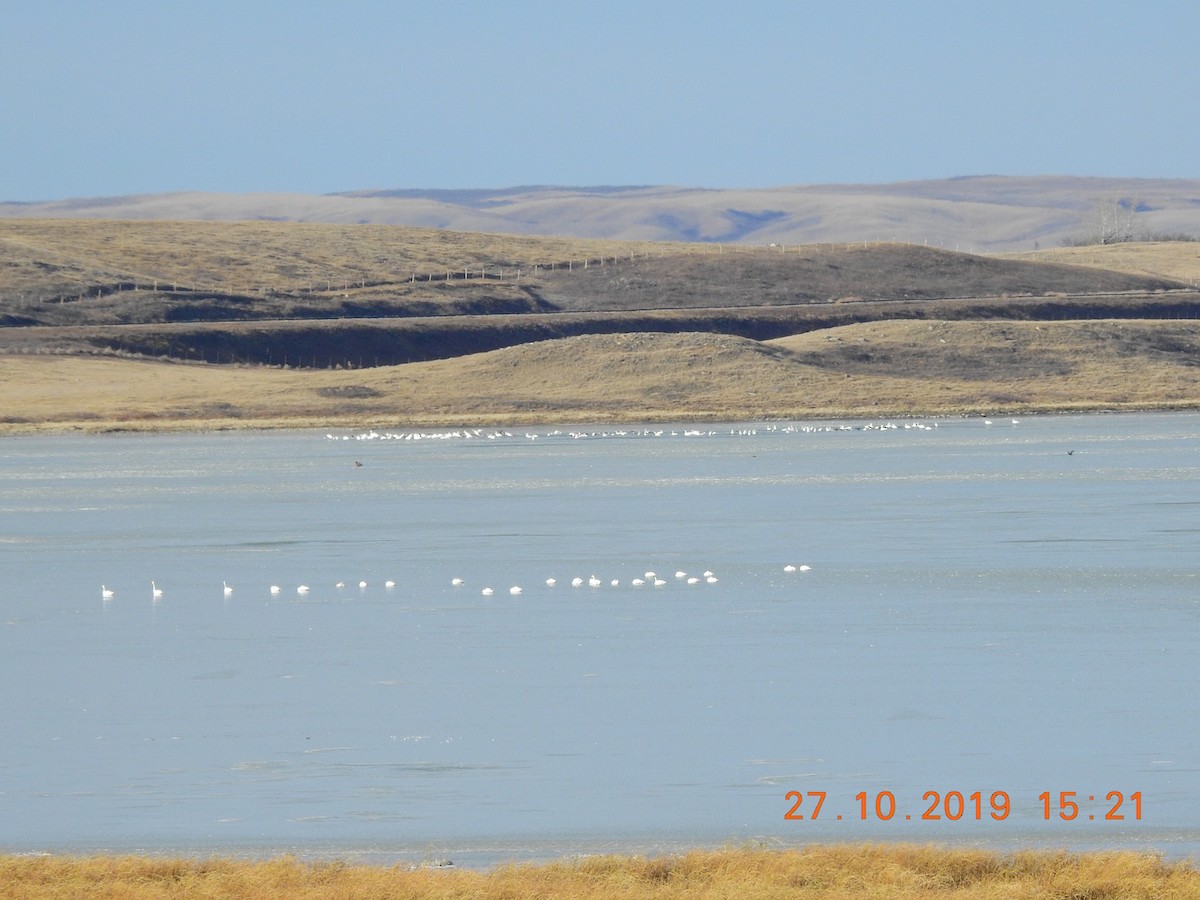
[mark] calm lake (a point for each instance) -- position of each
(993, 616)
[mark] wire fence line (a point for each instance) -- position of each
(449, 273)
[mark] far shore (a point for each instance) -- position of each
(887, 369)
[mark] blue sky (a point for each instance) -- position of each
(126, 96)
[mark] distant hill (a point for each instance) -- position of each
(983, 213)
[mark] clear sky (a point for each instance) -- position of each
(143, 96)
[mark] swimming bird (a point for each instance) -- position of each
(593, 581)
(457, 582)
(637, 582)
(228, 589)
(155, 590)
(616, 582)
(274, 589)
(576, 582)
(105, 593)
(789, 568)
(487, 592)
(806, 568)
(681, 574)
(362, 585)
(658, 582)
(340, 585)
(514, 590)
(551, 582)
(389, 584)
(711, 579)
(302, 589)
(693, 580)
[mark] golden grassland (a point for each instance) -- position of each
(57, 256)
(867, 370)
(883, 368)
(242, 256)
(895, 871)
(1179, 260)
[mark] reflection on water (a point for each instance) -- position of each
(1010, 608)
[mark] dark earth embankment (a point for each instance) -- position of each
(359, 343)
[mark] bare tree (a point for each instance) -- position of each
(1110, 221)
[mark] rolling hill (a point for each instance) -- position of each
(984, 213)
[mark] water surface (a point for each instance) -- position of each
(1005, 607)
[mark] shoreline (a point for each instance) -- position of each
(841, 870)
(580, 418)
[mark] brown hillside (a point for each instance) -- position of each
(873, 369)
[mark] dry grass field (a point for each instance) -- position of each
(868, 370)
(1178, 260)
(650, 336)
(893, 871)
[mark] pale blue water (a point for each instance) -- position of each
(984, 612)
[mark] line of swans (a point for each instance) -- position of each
(593, 582)
(649, 577)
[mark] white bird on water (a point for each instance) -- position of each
(228, 589)
(155, 590)
(487, 592)
(274, 589)
(457, 582)
(514, 590)
(551, 582)
(105, 593)
(302, 589)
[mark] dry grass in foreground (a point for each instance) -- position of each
(897, 871)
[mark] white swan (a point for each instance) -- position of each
(302, 589)
(389, 584)
(274, 589)
(576, 582)
(789, 568)
(105, 593)
(551, 582)
(514, 590)
(228, 589)
(487, 592)
(155, 590)
(457, 582)
(593, 581)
